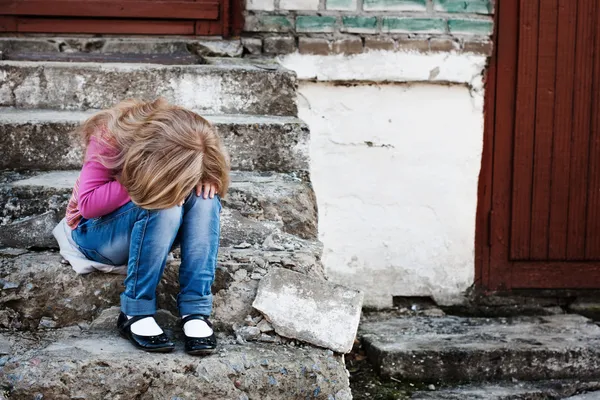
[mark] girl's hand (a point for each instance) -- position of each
(210, 189)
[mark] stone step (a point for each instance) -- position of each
(74, 364)
(45, 140)
(207, 47)
(546, 390)
(258, 205)
(37, 290)
(219, 87)
(450, 349)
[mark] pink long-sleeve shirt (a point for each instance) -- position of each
(96, 192)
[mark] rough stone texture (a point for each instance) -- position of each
(70, 364)
(45, 139)
(544, 390)
(257, 206)
(587, 308)
(252, 46)
(523, 348)
(218, 88)
(386, 44)
(308, 309)
(314, 46)
(203, 47)
(348, 45)
(37, 285)
(279, 45)
(586, 396)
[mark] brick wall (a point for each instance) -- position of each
(355, 26)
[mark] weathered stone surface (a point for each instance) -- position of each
(257, 207)
(223, 88)
(203, 47)
(96, 366)
(32, 231)
(586, 396)
(476, 349)
(587, 308)
(309, 309)
(514, 391)
(37, 285)
(45, 139)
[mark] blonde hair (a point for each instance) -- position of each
(159, 152)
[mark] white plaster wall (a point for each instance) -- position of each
(395, 169)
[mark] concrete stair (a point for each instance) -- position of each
(45, 140)
(546, 390)
(75, 364)
(56, 327)
(534, 357)
(217, 87)
(259, 205)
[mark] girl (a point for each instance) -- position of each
(151, 179)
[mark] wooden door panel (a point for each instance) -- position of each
(544, 209)
(584, 58)
(563, 119)
(111, 8)
(592, 242)
(148, 17)
(544, 130)
(524, 130)
(111, 26)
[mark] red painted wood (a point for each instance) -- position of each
(226, 19)
(58, 25)
(563, 118)
(237, 17)
(556, 275)
(592, 243)
(544, 130)
(8, 24)
(208, 28)
(524, 130)
(506, 70)
(112, 9)
(586, 20)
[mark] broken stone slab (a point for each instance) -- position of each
(310, 309)
(98, 366)
(221, 88)
(514, 391)
(483, 349)
(32, 231)
(46, 140)
(258, 206)
(37, 285)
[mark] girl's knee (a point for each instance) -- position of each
(168, 219)
(208, 205)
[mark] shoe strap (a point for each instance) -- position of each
(196, 316)
(135, 319)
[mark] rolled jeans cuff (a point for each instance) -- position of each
(133, 307)
(193, 304)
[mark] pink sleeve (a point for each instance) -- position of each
(99, 192)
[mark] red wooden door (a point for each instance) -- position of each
(541, 184)
(149, 17)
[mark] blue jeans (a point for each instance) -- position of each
(142, 239)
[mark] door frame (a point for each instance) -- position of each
(494, 271)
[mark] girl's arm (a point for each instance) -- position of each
(99, 192)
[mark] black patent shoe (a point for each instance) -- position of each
(155, 344)
(197, 346)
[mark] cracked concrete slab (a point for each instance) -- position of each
(481, 349)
